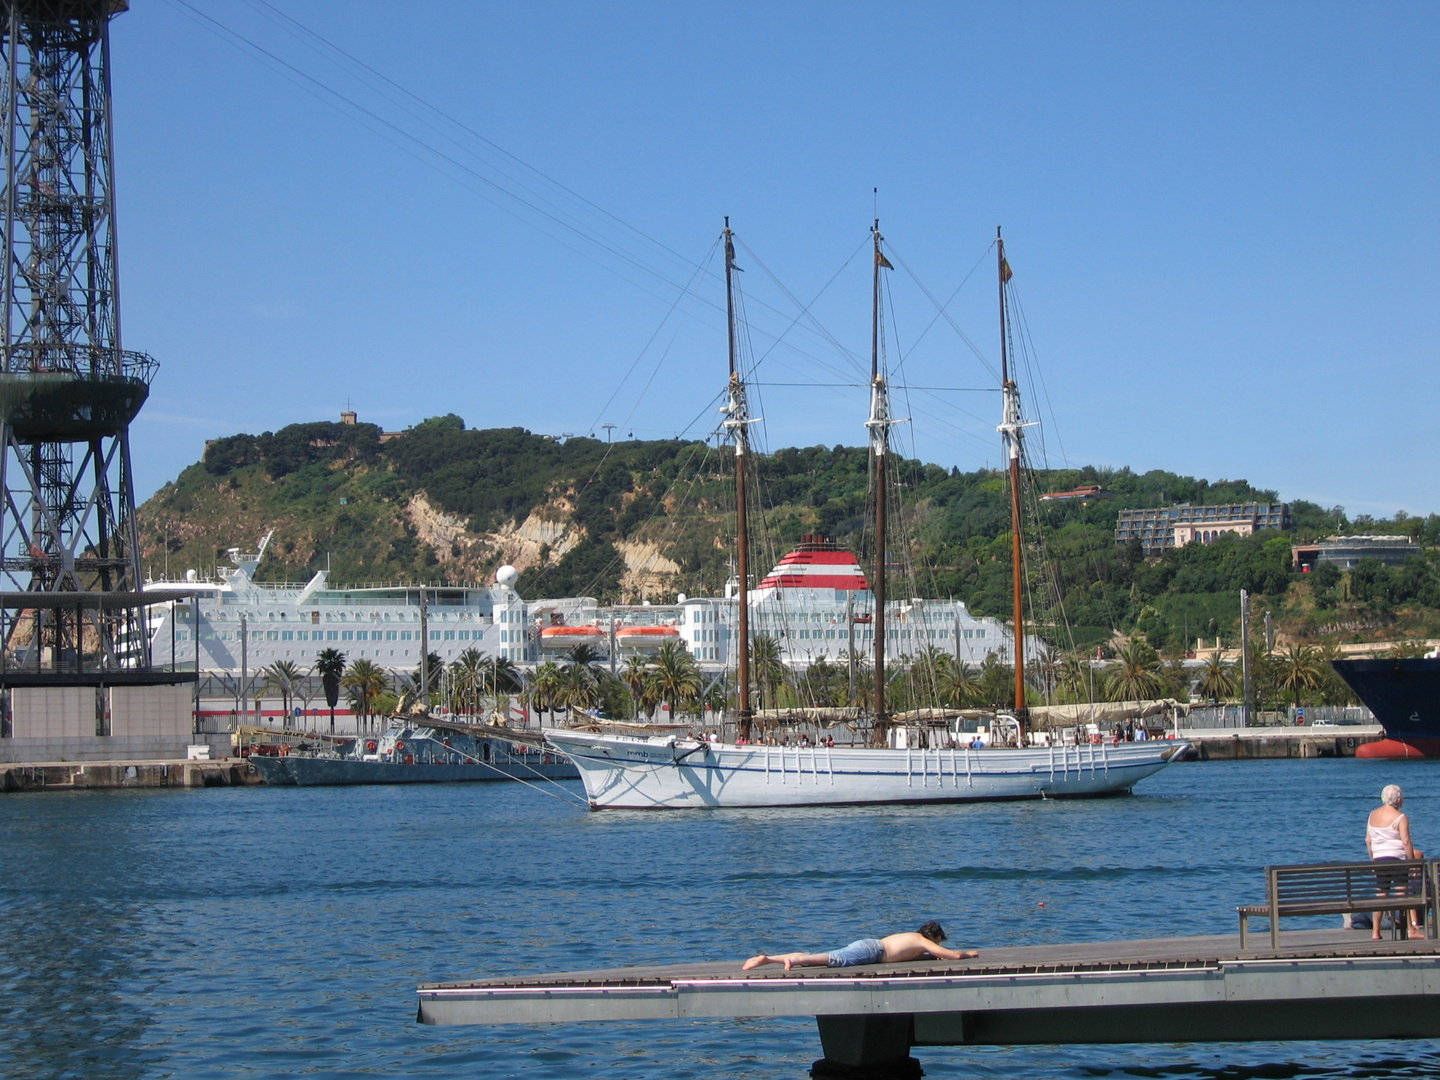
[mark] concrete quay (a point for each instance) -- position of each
(1321, 740)
(92, 775)
(1320, 984)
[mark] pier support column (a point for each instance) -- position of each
(866, 1047)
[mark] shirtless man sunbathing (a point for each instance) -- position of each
(895, 949)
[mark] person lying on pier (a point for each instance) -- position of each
(895, 949)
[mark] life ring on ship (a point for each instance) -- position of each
(369, 746)
(400, 745)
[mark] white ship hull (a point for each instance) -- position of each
(629, 773)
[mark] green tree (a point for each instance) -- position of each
(546, 688)
(330, 666)
(959, 684)
(677, 678)
(1297, 669)
(283, 676)
(1134, 675)
(634, 674)
(1217, 679)
(365, 681)
(1076, 678)
(767, 670)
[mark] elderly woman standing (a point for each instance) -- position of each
(1387, 838)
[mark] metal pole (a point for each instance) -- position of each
(1245, 655)
(424, 653)
(244, 671)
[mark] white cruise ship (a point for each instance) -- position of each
(291, 621)
(816, 604)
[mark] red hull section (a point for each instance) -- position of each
(1392, 749)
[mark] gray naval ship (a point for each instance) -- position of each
(417, 748)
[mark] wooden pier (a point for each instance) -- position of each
(1319, 984)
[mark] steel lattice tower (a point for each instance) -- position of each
(68, 390)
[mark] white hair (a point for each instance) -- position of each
(1391, 795)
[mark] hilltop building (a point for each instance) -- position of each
(1176, 526)
(1346, 551)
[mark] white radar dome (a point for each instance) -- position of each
(507, 575)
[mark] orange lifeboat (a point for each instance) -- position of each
(567, 637)
(645, 637)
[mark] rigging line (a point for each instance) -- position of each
(297, 75)
(943, 309)
(805, 311)
(703, 268)
(295, 30)
(583, 232)
(815, 323)
(1045, 390)
(954, 389)
(812, 385)
(410, 138)
(470, 131)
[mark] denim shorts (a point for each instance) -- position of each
(864, 951)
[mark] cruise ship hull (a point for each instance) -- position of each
(1404, 695)
(631, 773)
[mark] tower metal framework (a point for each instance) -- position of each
(68, 389)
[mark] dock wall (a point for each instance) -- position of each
(76, 776)
(1230, 744)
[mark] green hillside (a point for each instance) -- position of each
(644, 520)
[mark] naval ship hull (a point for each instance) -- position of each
(314, 772)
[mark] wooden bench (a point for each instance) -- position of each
(1344, 888)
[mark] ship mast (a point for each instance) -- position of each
(879, 427)
(1010, 431)
(737, 422)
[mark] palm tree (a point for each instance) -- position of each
(1333, 689)
(634, 675)
(1297, 669)
(925, 675)
(432, 671)
(584, 655)
(578, 688)
(330, 666)
(282, 676)
(1134, 675)
(1217, 679)
(766, 668)
(1076, 677)
(959, 685)
(467, 674)
(545, 687)
(365, 681)
(677, 678)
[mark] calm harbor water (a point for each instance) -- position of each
(272, 932)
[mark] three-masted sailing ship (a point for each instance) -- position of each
(670, 773)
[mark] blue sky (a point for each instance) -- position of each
(1223, 221)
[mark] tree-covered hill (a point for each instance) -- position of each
(646, 519)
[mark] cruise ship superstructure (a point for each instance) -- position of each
(816, 604)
